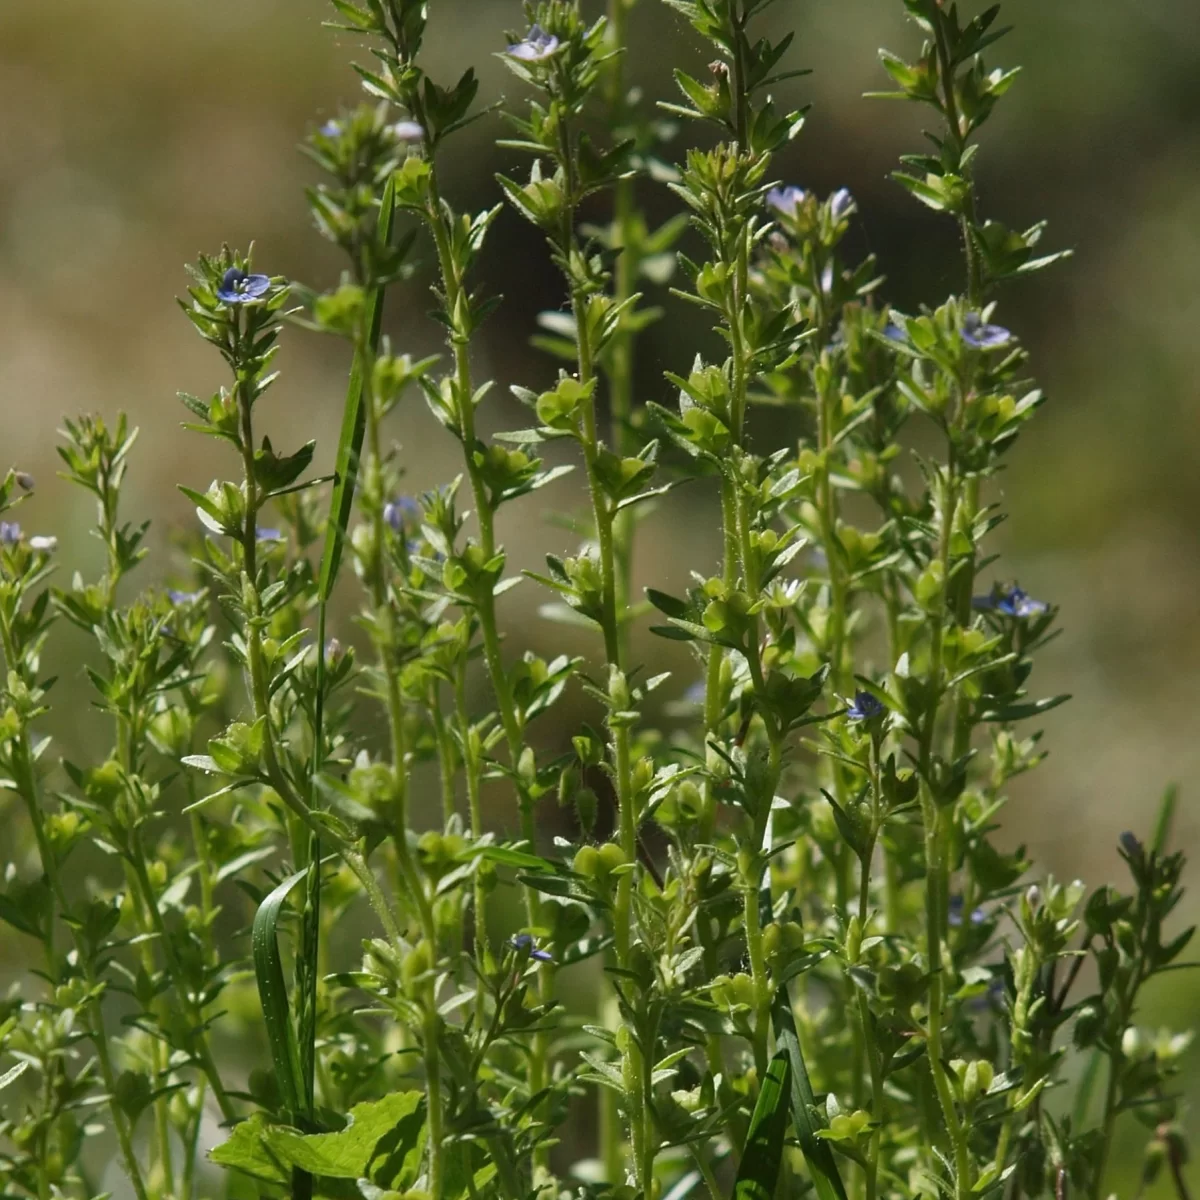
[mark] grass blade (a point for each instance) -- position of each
(272, 995)
(341, 505)
(1166, 818)
(761, 1156)
(353, 424)
(817, 1153)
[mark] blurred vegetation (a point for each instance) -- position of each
(137, 132)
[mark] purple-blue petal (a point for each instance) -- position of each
(786, 200)
(840, 204)
(976, 333)
(866, 707)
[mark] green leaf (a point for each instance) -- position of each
(272, 993)
(382, 1142)
(507, 857)
(353, 425)
(12, 1075)
(245, 1151)
(1022, 712)
(763, 1152)
(817, 1154)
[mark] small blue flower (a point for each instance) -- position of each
(264, 534)
(238, 288)
(523, 943)
(955, 915)
(1011, 602)
(697, 693)
(1131, 845)
(537, 46)
(866, 707)
(840, 204)
(894, 333)
(983, 337)
(179, 598)
(786, 200)
(331, 129)
(10, 533)
(408, 131)
(402, 511)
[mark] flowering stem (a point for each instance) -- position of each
(937, 877)
(445, 751)
(874, 1062)
(454, 294)
(955, 129)
(473, 770)
(30, 792)
(621, 347)
(259, 695)
(586, 430)
(390, 671)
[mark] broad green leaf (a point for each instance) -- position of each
(382, 1141)
(246, 1151)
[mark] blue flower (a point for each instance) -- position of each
(331, 129)
(866, 707)
(786, 200)
(523, 943)
(408, 131)
(983, 337)
(263, 534)
(894, 333)
(238, 288)
(401, 511)
(840, 204)
(179, 598)
(1130, 844)
(955, 915)
(1011, 602)
(10, 533)
(537, 46)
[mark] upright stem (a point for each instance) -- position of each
(473, 769)
(453, 291)
(874, 1063)
(937, 877)
(30, 791)
(389, 668)
(621, 348)
(623, 916)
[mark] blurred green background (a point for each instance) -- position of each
(135, 133)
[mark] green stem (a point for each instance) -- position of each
(27, 787)
(955, 129)
(453, 291)
(621, 347)
(937, 877)
(874, 1061)
(473, 769)
(445, 752)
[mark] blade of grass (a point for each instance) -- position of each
(341, 505)
(762, 1155)
(817, 1153)
(1166, 818)
(353, 424)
